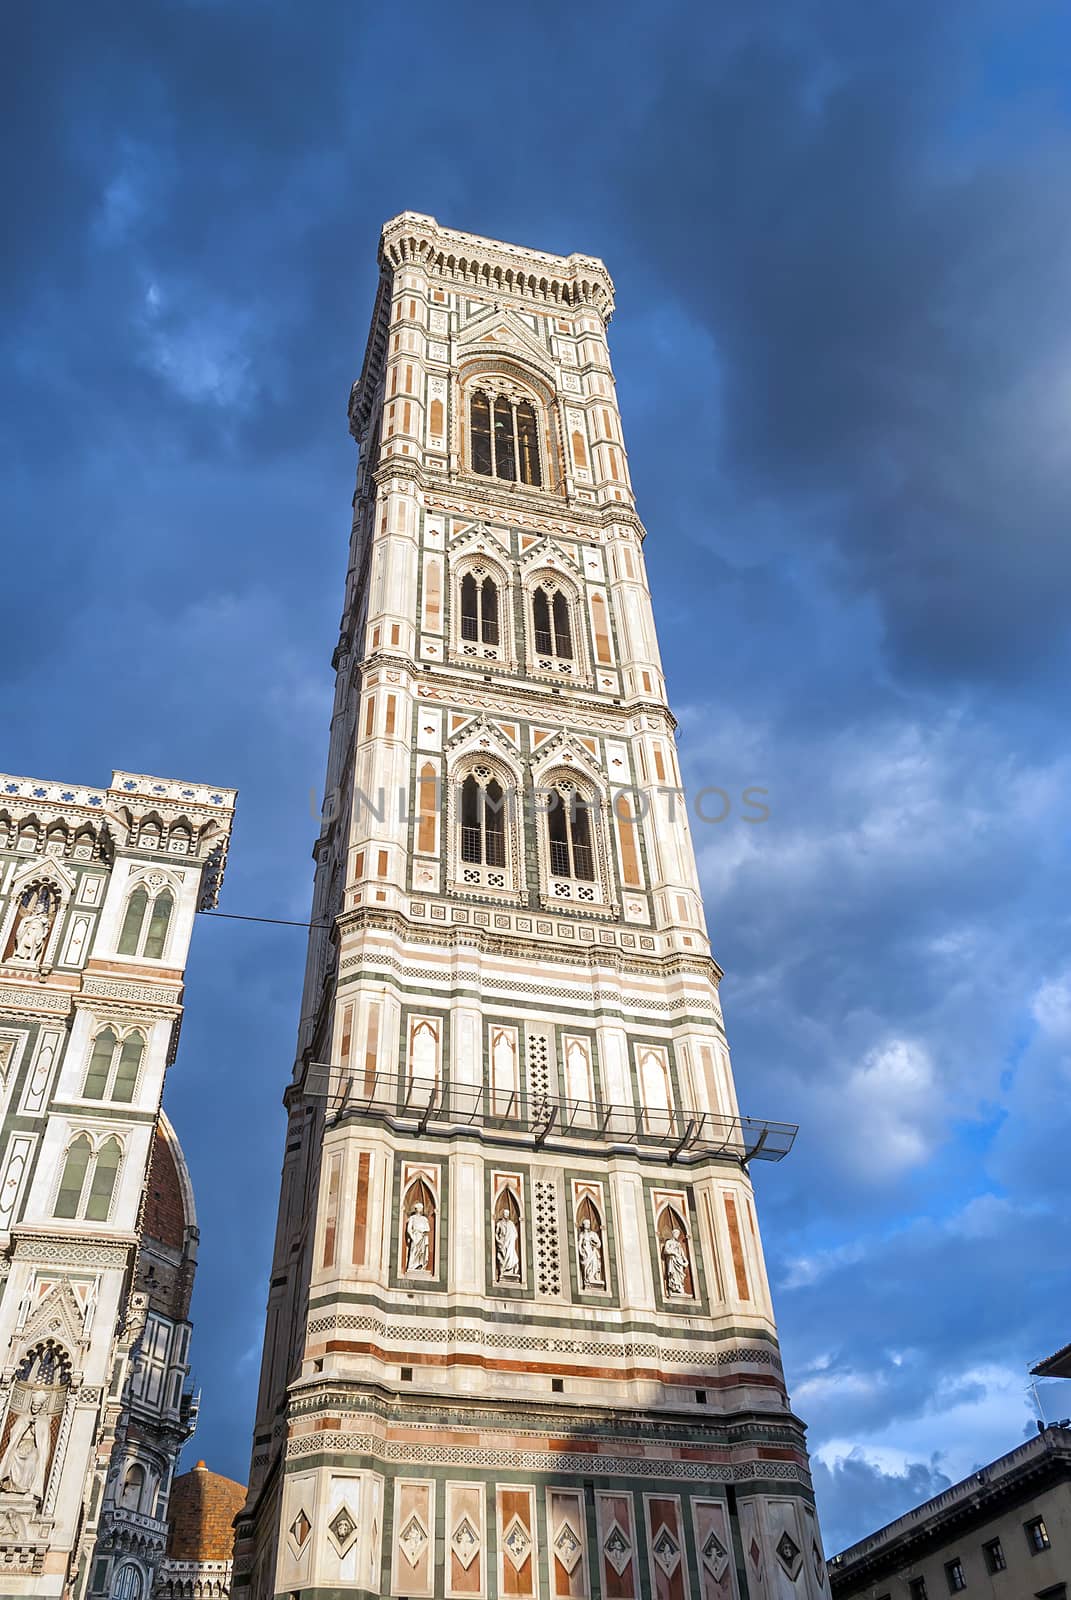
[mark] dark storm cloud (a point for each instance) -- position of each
(887, 304)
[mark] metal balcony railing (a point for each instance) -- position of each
(443, 1106)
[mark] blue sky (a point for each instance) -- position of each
(841, 243)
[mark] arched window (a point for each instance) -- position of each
(569, 834)
(129, 1584)
(113, 1067)
(126, 1069)
(87, 1185)
(552, 629)
(130, 933)
(504, 438)
(100, 1065)
(479, 609)
(133, 1486)
(483, 820)
(144, 929)
(159, 918)
(102, 1183)
(73, 1181)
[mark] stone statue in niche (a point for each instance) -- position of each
(507, 1248)
(417, 1240)
(589, 1251)
(675, 1263)
(24, 1469)
(32, 928)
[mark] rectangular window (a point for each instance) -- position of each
(1037, 1535)
(994, 1556)
(954, 1575)
(917, 1589)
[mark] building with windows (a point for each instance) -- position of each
(519, 1335)
(98, 893)
(1003, 1532)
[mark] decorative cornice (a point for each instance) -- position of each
(130, 990)
(566, 282)
(466, 936)
(33, 1001)
(58, 1250)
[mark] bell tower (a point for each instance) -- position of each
(519, 1334)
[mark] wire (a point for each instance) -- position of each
(281, 922)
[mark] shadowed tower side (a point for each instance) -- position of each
(519, 1334)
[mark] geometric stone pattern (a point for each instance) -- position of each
(367, 1444)
(624, 1349)
(548, 1260)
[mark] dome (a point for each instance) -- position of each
(201, 1514)
(169, 1209)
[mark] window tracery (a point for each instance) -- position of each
(481, 610)
(484, 827)
(554, 628)
(504, 435)
(146, 923)
(88, 1179)
(572, 847)
(114, 1065)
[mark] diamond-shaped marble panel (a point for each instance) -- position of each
(300, 1529)
(666, 1551)
(517, 1543)
(788, 1553)
(343, 1528)
(617, 1548)
(413, 1540)
(715, 1556)
(465, 1543)
(567, 1547)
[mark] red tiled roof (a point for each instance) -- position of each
(201, 1513)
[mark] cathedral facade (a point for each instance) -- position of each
(98, 893)
(519, 1333)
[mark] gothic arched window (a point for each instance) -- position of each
(129, 1584)
(504, 438)
(483, 820)
(569, 834)
(102, 1183)
(479, 609)
(73, 1181)
(552, 627)
(87, 1185)
(113, 1067)
(130, 933)
(133, 1487)
(145, 924)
